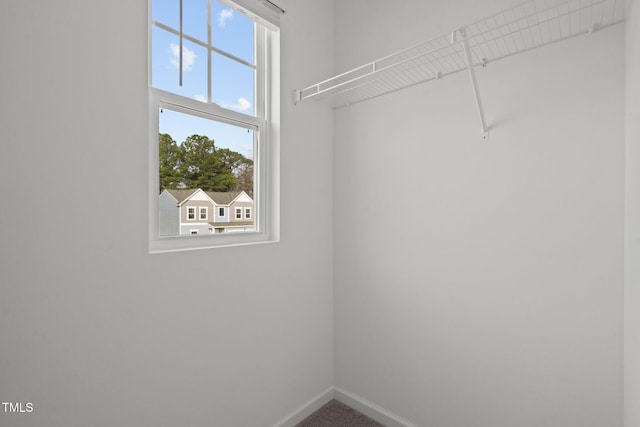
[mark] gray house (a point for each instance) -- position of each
(195, 211)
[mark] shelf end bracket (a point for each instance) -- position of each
(297, 96)
(474, 83)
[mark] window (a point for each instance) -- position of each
(213, 121)
(238, 213)
(247, 213)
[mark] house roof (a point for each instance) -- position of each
(181, 195)
(220, 198)
(223, 198)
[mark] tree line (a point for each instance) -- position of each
(198, 163)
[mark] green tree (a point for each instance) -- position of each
(170, 159)
(198, 163)
(240, 168)
(202, 165)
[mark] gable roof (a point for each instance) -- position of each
(218, 197)
(181, 195)
(223, 198)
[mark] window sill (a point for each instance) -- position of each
(190, 243)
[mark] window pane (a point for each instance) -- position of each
(167, 12)
(202, 162)
(194, 19)
(233, 84)
(232, 32)
(165, 65)
(194, 16)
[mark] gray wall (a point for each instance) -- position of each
(632, 259)
(502, 304)
(94, 330)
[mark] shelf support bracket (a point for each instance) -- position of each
(474, 82)
(297, 96)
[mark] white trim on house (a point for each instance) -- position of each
(189, 208)
(238, 210)
(242, 197)
(206, 213)
(199, 196)
(202, 197)
(249, 210)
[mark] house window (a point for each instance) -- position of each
(238, 213)
(247, 213)
(193, 232)
(214, 110)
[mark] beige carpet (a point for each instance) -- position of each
(336, 414)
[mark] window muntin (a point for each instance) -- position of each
(219, 64)
(247, 213)
(221, 212)
(191, 213)
(204, 213)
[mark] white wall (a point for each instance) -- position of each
(494, 296)
(93, 330)
(632, 234)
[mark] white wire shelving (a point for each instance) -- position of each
(527, 26)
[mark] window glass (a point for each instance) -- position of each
(232, 32)
(233, 84)
(194, 19)
(167, 12)
(201, 160)
(166, 66)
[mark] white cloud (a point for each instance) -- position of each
(200, 98)
(248, 149)
(224, 16)
(188, 57)
(241, 105)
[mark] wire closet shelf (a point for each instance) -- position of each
(527, 26)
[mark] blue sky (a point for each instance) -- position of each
(232, 82)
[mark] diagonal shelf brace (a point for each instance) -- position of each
(474, 82)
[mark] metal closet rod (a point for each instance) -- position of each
(275, 6)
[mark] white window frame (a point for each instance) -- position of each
(206, 213)
(238, 210)
(195, 212)
(265, 125)
(248, 209)
(224, 212)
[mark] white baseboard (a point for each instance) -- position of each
(358, 403)
(307, 409)
(370, 409)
